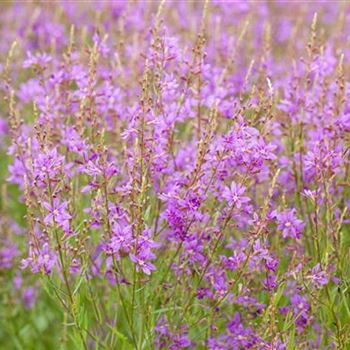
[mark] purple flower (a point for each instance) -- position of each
(145, 241)
(270, 282)
(142, 264)
(40, 260)
(301, 309)
(234, 195)
(95, 167)
(39, 59)
(29, 297)
(271, 263)
(234, 261)
(193, 250)
(57, 214)
(204, 292)
(289, 224)
(218, 279)
(266, 150)
(237, 337)
(17, 172)
(8, 252)
(46, 165)
(3, 129)
(166, 339)
(74, 266)
(121, 240)
(318, 277)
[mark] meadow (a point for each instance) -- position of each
(174, 175)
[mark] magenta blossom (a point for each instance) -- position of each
(318, 277)
(234, 195)
(58, 214)
(289, 224)
(41, 259)
(142, 263)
